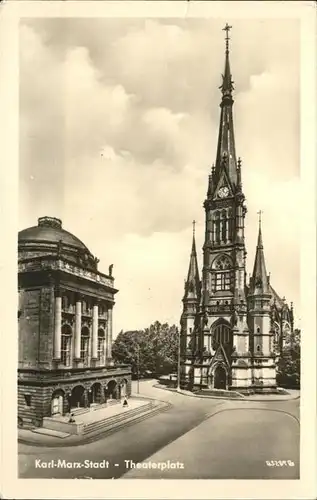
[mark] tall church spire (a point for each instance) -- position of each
(226, 143)
(259, 282)
(192, 284)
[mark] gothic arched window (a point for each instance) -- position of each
(224, 226)
(230, 224)
(221, 335)
(217, 227)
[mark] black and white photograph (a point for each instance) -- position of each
(159, 308)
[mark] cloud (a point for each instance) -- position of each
(118, 130)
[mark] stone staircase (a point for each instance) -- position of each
(116, 420)
(80, 411)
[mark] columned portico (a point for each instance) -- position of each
(64, 327)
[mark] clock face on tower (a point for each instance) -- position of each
(223, 192)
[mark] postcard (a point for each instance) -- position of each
(158, 207)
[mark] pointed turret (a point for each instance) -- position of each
(259, 284)
(192, 284)
(226, 143)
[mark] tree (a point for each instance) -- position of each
(152, 350)
(288, 369)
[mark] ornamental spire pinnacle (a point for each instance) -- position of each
(259, 281)
(192, 284)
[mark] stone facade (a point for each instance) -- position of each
(65, 326)
(231, 331)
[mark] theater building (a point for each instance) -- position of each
(65, 326)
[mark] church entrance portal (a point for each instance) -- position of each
(220, 378)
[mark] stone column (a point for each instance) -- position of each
(58, 327)
(109, 333)
(77, 328)
(94, 331)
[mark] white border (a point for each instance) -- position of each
(10, 486)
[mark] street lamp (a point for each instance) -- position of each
(138, 363)
(179, 362)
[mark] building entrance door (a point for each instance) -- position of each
(220, 378)
(57, 405)
(77, 398)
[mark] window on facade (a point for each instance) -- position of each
(217, 227)
(221, 334)
(65, 302)
(84, 344)
(230, 224)
(101, 344)
(28, 399)
(258, 348)
(258, 330)
(224, 226)
(66, 345)
(223, 281)
(222, 266)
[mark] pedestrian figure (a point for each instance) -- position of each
(71, 419)
(125, 402)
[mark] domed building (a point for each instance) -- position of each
(65, 326)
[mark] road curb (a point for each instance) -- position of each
(247, 399)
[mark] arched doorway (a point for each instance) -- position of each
(94, 393)
(112, 390)
(57, 403)
(220, 377)
(77, 398)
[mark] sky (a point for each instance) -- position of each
(118, 131)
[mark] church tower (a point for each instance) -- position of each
(219, 353)
(260, 322)
(191, 301)
(229, 331)
(226, 337)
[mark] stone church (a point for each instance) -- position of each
(231, 330)
(65, 326)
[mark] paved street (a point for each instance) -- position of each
(233, 443)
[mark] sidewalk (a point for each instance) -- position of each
(41, 438)
(292, 394)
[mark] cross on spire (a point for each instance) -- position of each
(260, 212)
(227, 28)
(194, 224)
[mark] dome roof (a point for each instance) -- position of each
(49, 229)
